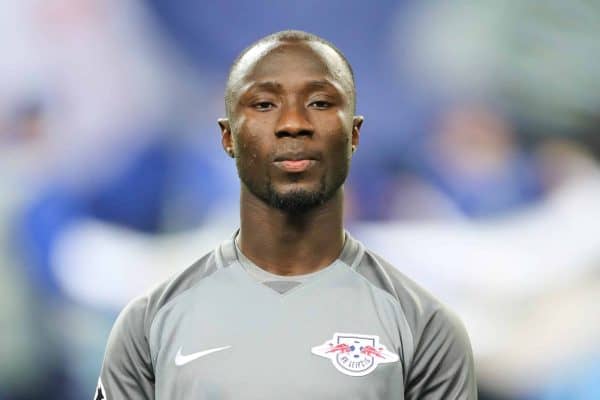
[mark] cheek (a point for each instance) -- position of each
(251, 142)
(338, 133)
(346, 120)
(255, 124)
(330, 121)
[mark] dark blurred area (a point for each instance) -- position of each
(477, 173)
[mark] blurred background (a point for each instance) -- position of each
(477, 173)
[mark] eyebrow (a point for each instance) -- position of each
(273, 86)
(267, 85)
(322, 84)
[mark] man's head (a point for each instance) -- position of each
(290, 123)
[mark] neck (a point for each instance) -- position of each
(291, 244)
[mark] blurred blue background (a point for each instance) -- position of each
(477, 174)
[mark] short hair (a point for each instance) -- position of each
(288, 36)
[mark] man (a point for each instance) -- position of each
(291, 306)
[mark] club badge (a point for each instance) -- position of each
(355, 355)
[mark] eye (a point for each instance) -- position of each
(263, 105)
(320, 104)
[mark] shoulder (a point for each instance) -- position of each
(416, 302)
(425, 315)
(440, 358)
(128, 364)
(138, 315)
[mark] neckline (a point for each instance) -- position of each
(262, 274)
(351, 254)
(318, 276)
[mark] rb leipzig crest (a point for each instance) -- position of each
(355, 355)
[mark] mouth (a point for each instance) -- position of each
(295, 162)
(294, 165)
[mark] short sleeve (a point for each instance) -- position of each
(127, 371)
(442, 367)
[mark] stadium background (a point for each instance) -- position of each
(477, 173)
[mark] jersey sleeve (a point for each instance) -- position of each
(127, 371)
(442, 366)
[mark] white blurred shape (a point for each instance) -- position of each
(526, 286)
(102, 265)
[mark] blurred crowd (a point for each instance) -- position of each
(477, 174)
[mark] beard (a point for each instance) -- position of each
(295, 201)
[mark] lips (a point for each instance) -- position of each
(294, 165)
(295, 162)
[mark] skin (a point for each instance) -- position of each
(291, 100)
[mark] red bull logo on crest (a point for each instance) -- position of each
(355, 355)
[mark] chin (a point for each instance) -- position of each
(297, 200)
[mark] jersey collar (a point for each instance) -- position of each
(351, 255)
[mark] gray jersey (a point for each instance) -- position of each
(357, 329)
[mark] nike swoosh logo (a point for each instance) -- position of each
(181, 359)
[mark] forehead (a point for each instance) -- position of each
(290, 60)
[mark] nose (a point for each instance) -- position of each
(293, 122)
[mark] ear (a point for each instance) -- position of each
(226, 138)
(357, 122)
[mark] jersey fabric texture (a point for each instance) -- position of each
(357, 329)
